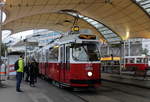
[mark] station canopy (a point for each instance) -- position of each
(111, 20)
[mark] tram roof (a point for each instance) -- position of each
(125, 18)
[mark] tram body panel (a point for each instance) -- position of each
(137, 66)
(79, 74)
(80, 71)
(137, 62)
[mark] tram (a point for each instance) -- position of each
(130, 63)
(71, 61)
(133, 63)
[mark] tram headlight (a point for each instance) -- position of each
(89, 74)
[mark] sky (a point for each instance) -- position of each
(6, 36)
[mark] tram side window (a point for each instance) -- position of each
(139, 60)
(43, 56)
(68, 54)
(126, 60)
(47, 55)
(40, 59)
(68, 57)
(53, 54)
(145, 60)
(62, 54)
(131, 60)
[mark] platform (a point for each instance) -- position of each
(43, 92)
(127, 79)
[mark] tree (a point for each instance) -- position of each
(144, 51)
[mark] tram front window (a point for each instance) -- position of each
(85, 52)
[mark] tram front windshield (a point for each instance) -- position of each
(85, 52)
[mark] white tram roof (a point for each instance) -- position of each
(74, 38)
(69, 39)
(143, 56)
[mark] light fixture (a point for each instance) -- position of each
(89, 74)
(127, 35)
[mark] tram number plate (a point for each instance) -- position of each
(89, 68)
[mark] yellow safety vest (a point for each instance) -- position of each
(21, 65)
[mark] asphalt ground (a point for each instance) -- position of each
(46, 92)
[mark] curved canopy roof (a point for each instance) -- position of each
(124, 17)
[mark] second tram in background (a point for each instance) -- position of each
(137, 63)
(71, 61)
(129, 63)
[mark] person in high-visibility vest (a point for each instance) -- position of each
(19, 73)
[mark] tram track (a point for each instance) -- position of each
(79, 93)
(118, 93)
(110, 92)
(126, 91)
(83, 99)
(66, 90)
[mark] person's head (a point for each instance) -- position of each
(21, 56)
(33, 59)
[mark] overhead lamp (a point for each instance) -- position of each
(127, 35)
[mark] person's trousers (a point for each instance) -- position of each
(18, 78)
(31, 79)
(27, 77)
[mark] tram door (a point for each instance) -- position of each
(65, 63)
(46, 64)
(62, 64)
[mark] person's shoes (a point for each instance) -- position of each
(32, 85)
(26, 80)
(19, 90)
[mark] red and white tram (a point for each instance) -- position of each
(72, 61)
(137, 62)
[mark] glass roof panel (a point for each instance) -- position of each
(103, 28)
(107, 33)
(85, 18)
(89, 20)
(115, 42)
(110, 34)
(145, 4)
(148, 10)
(80, 16)
(113, 39)
(98, 25)
(94, 23)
